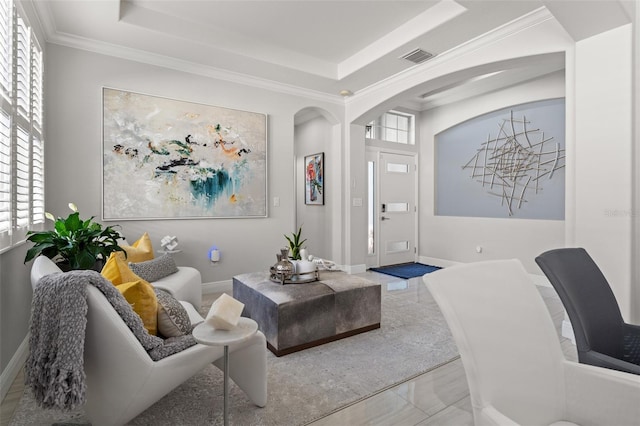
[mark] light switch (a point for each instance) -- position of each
(276, 201)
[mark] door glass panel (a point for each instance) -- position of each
(397, 207)
(395, 246)
(397, 168)
(371, 211)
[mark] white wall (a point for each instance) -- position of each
(74, 79)
(15, 303)
(15, 285)
(536, 37)
(456, 238)
(312, 137)
(73, 159)
(599, 139)
(74, 154)
(603, 148)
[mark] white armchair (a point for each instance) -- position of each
(123, 381)
(511, 353)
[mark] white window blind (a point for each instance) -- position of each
(37, 181)
(21, 132)
(6, 47)
(22, 179)
(5, 173)
(23, 69)
(37, 146)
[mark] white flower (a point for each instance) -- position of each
(73, 207)
(49, 216)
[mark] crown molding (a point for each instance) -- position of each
(522, 23)
(163, 61)
(52, 35)
(44, 16)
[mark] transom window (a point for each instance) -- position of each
(21, 135)
(392, 126)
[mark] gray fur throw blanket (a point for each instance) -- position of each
(55, 367)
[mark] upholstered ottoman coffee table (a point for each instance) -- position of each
(298, 316)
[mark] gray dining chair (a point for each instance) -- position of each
(602, 337)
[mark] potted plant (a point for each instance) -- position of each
(303, 268)
(295, 244)
(74, 243)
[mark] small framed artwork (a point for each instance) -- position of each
(314, 179)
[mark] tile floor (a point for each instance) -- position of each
(439, 397)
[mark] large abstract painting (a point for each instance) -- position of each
(168, 159)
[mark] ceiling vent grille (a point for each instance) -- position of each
(417, 56)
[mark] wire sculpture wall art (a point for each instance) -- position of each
(515, 162)
(506, 163)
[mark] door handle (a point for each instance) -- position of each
(384, 218)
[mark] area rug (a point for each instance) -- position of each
(406, 270)
(307, 385)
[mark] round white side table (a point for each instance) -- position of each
(207, 335)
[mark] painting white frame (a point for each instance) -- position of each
(171, 159)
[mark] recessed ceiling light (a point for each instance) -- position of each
(346, 93)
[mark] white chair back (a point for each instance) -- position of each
(508, 344)
(42, 266)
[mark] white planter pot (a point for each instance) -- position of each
(304, 269)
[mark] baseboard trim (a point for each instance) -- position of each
(434, 261)
(354, 269)
(225, 286)
(12, 370)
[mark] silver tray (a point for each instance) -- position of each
(279, 278)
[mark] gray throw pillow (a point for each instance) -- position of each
(154, 269)
(173, 319)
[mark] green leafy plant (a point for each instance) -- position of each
(295, 244)
(74, 243)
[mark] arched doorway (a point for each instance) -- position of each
(317, 134)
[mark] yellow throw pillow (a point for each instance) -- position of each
(143, 300)
(140, 251)
(110, 270)
(138, 292)
(116, 270)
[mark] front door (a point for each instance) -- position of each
(396, 208)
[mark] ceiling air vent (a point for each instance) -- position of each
(417, 56)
